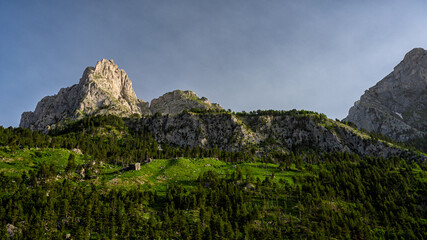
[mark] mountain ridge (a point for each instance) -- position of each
(182, 119)
(105, 89)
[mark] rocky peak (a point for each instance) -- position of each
(108, 75)
(411, 73)
(103, 89)
(416, 56)
(397, 105)
(108, 88)
(177, 101)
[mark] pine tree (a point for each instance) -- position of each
(71, 165)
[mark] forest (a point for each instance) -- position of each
(224, 195)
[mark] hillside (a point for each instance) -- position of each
(89, 194)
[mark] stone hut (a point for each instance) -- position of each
(136, 166)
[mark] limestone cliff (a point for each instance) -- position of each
(102, 89)
(286, 132)
(397, 105)
(222, 130)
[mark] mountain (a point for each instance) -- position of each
(105, 89)
(102, 89)
(397, 105)
(181, 118)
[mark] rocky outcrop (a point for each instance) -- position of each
(12, 230)
(177, 101)
(397, 105)
(102, 89)
(233, 133)
(292, 132)
(105, 89)
(222, 131)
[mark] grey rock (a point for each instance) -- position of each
(12, 230)
(232, 133)
(77, 151)
(223, 131)
(397, 105)
(103, 89)
(106, 89)
(177, 101)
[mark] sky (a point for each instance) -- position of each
(243, 54)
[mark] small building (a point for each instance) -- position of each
(135, 166)
(132, 166)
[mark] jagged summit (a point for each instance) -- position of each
(397, 105)
(105, 89)
(102, 89)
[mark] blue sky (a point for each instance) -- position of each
(242, 54)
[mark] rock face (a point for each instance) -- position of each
(102, 89)
(233, 133)
(397, 105)
(222, 131)
(105, 89)
(177, 101)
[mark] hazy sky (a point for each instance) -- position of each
(243, 54)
